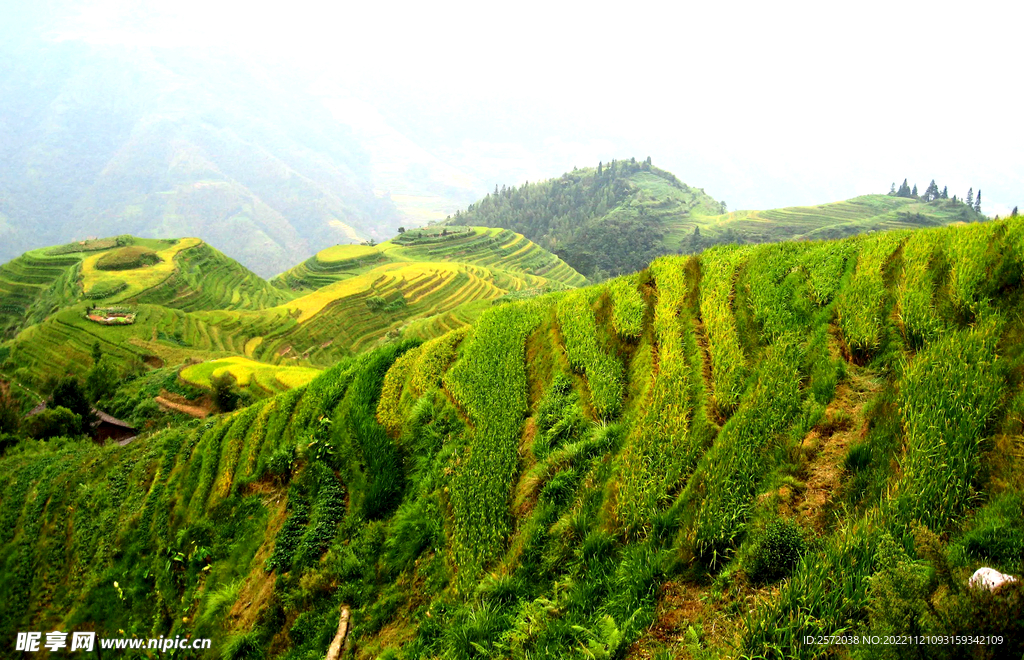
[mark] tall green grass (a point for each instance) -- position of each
(604, 373)
(728, 363)
(669, 428)
(727, 479)
(628, 305)
(922, 269)
(861, 310)
(949, 395)
(489, 382)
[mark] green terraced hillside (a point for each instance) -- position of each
(194, 303)
(860, 215)
(602, 221)
(714, 457)
(191, 275)
(489, 247)
(32, 285)
(615, 219)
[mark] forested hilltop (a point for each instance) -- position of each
(718, 455)
(604, 221)
(614, 219)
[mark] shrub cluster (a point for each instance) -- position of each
(127, 258)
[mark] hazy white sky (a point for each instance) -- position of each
(762, 104)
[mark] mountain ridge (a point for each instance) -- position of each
(616, 218)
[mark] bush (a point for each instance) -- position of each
(381, 304)
(69, 393)
(10, 413)
(225, 391)
(776, 552)
(7, 441)
(103, 379)
(242, 646)
(54, 423)
(127, 258)
(997, 535)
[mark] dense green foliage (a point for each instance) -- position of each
(604, 222)
(760, 441)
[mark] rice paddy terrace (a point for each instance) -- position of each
(192, 302)
(859, 215)
(719, 455)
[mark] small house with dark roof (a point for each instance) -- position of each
(111, 428)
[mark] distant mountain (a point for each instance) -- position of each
(617, 217)
(102, 140)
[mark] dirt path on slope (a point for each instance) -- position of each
(826, 446)
(186, 408)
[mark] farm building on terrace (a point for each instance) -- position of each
(111, 428)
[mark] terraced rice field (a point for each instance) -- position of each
(197, 303)
(25, 283)
(205, 279)
(272, 378)
(826, 221)
(483, 246)
(138, 280)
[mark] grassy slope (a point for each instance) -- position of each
(595, 470)
(31, 285)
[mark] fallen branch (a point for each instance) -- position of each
(339, 638)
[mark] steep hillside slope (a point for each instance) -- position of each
(615, 219)
(721, 454)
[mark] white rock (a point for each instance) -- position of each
(989, 578)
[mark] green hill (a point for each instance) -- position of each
(860, 215)
(194, 303)
(188, 275)
(615, 219)
(719, 455)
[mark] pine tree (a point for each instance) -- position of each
(1013, 213)
(970, 197)
(931, 192)
(904, 190)
(913, 193)
(945, 192)
(892, 189)
(600, 168)
(977, 202)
